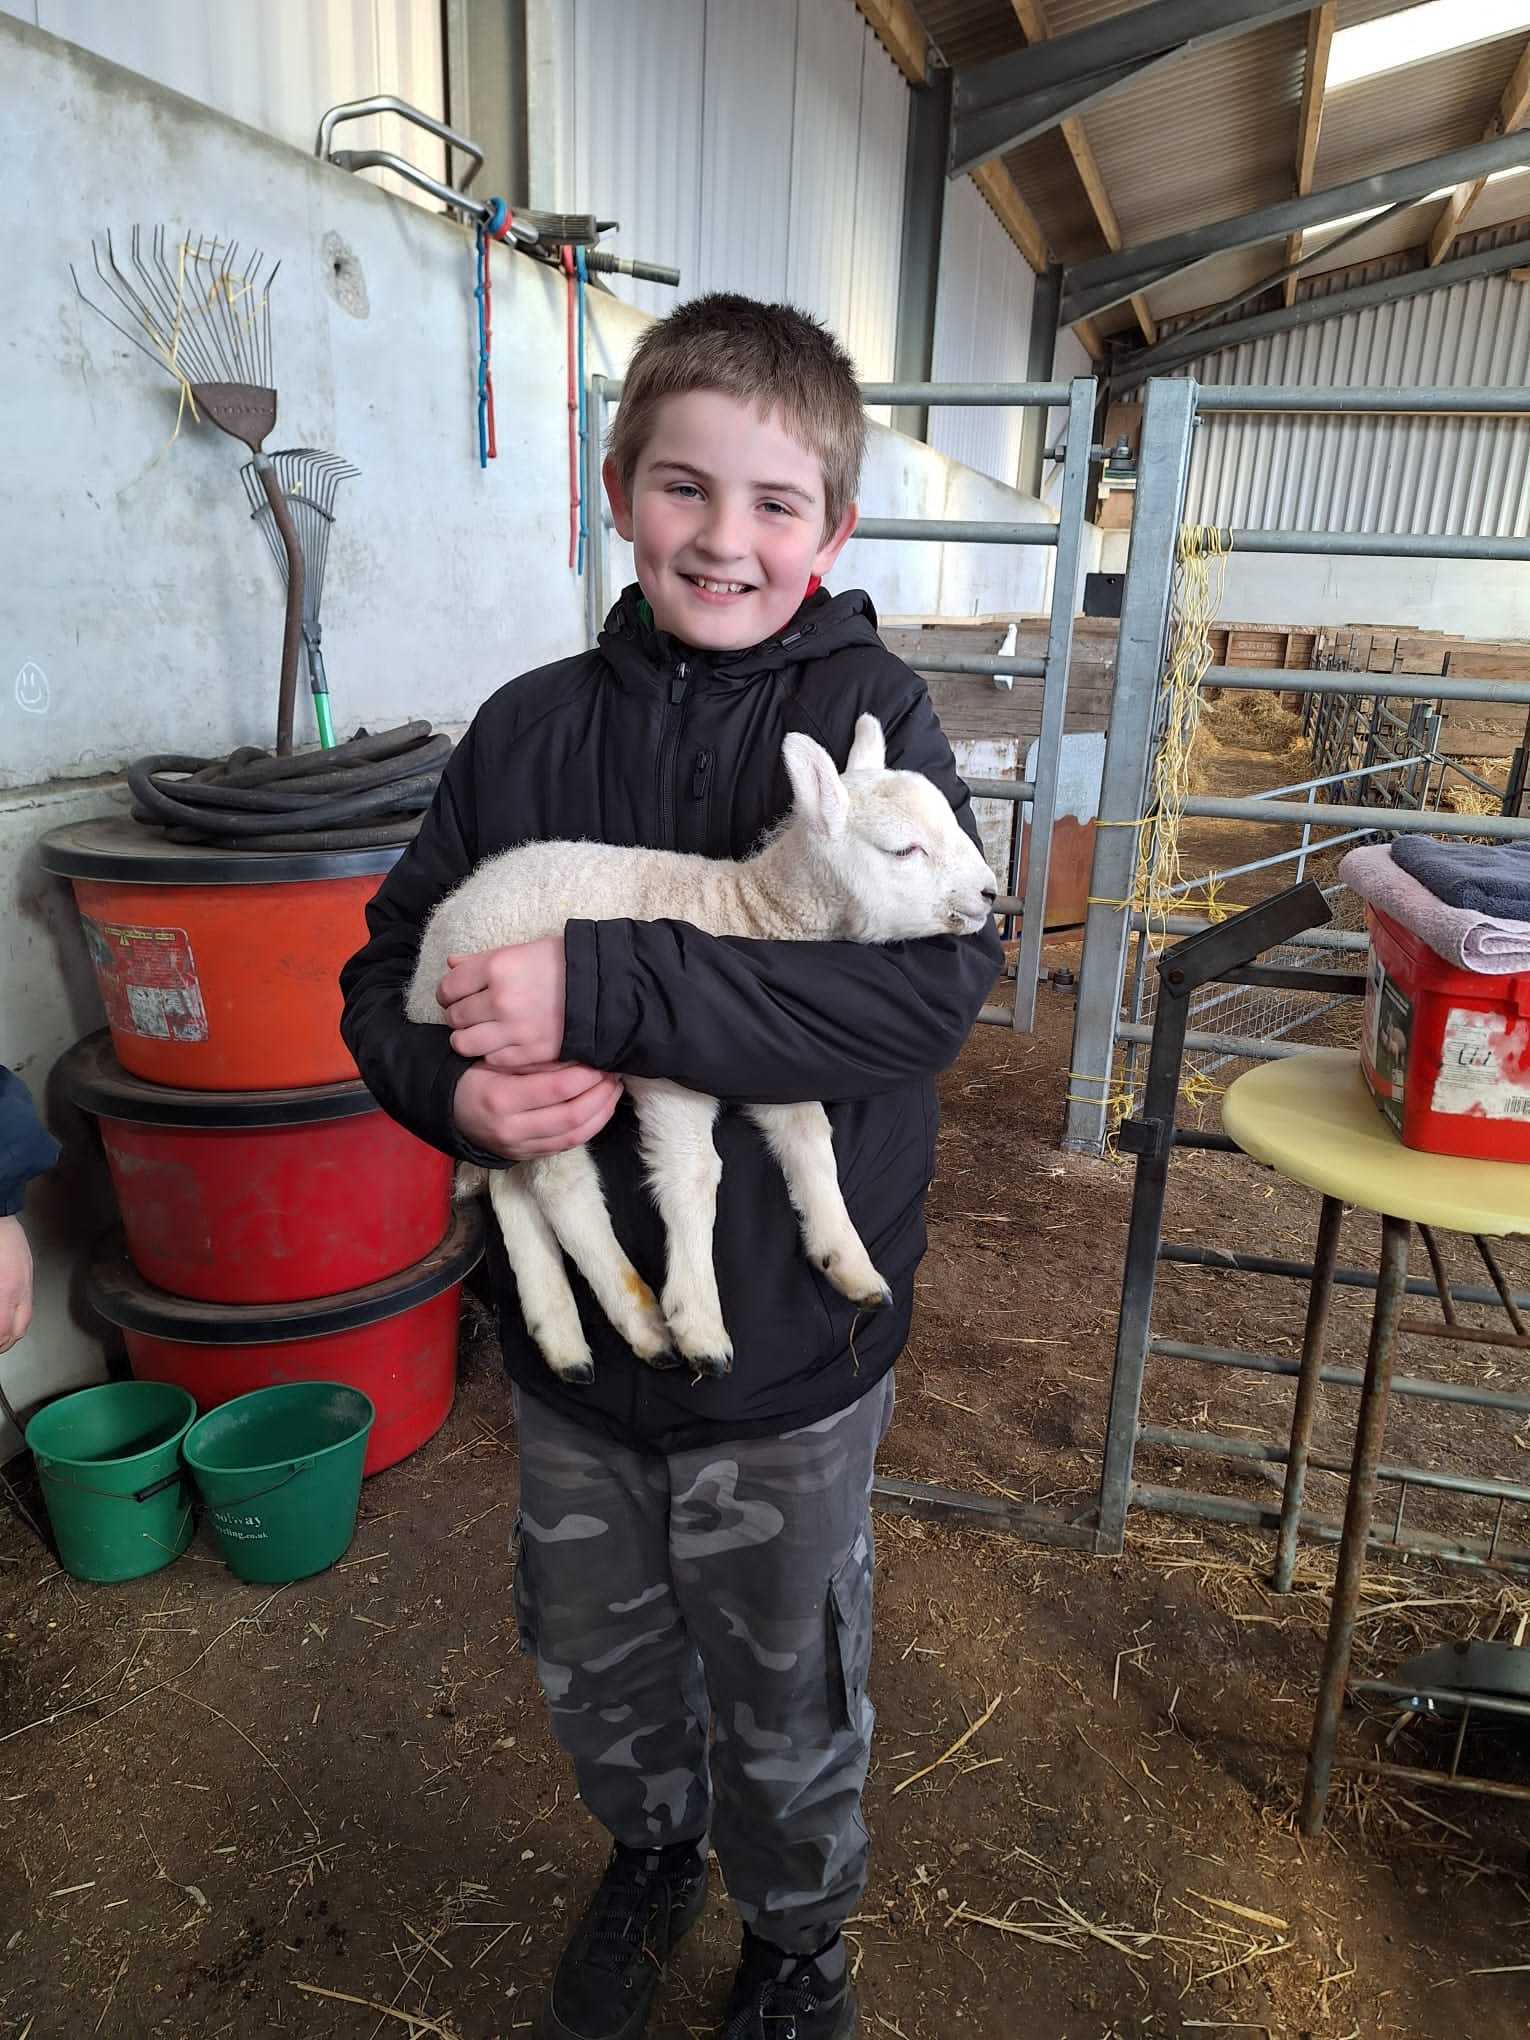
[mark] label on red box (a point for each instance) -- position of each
(1473, 1051)
(1388, 1030)
(148, 978)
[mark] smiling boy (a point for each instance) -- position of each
(694, 1558)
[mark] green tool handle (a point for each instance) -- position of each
(318, 684)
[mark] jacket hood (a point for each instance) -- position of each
(823, 625)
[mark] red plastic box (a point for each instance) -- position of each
(1446, 1052)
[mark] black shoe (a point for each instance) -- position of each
(777, 1996)
(606, 1977)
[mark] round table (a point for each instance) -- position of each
(1311, 1118)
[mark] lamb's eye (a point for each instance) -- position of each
(909, 850)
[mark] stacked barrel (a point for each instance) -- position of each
(277, 1225)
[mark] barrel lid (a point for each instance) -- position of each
(116, 848)
(119, 1293)
(91, 1077)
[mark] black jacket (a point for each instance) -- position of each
(26, 1147)
(645, 741)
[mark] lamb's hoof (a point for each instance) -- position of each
(575, 1373)
(711, 1365)
(875, 1299)
(664, 1361)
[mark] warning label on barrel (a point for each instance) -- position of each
(148, 978)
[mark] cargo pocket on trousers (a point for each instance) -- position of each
(520, 1588)
(850, 1637)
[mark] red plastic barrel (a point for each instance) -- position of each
(396, 1340)
(260, 1196)
(219, 969)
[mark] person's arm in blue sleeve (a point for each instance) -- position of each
(27, 1149)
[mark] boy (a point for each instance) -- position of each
(694, 1559)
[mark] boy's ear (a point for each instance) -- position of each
(616, 495)
(816, 791)
(836, 542)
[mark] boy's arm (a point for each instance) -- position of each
(775, 1022)
(410, 1067)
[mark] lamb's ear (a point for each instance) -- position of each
(816, 791)
(869, 751)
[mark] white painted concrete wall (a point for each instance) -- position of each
(1478, 598)
(140, 612)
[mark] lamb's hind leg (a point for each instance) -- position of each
(683, 1172)
(547, 1302)
(568, 1191)
(800, 1138)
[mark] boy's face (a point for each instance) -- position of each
(726, 519)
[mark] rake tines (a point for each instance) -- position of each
(206, 319)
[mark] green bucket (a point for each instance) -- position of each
(109, 1460)
(280, 1472)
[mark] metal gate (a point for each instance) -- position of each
(1368, 745)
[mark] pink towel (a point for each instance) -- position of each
(1471, 941)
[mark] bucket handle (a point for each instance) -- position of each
(143, 1494)
(237, 1502)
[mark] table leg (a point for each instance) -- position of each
(1370, 1431)
(1319, 1297)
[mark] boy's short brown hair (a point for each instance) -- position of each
(771, 355)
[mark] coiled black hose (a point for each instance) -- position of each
(372, 790)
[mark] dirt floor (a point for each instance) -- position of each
(334, 1809)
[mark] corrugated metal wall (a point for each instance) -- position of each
(757, 144)
(272, 64)
(1376, 474)
(982, 330)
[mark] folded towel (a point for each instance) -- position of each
(1479, 942)
(1482, 878)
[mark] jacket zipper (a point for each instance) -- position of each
(669, 743)
(701, 774)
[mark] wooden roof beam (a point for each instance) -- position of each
(1015, 216)
(1512, 109)
(898, 29)
(1320, 24)
(1034, 22)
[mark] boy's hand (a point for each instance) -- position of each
(15, 1283)
(505, 1006)
(526, 1113)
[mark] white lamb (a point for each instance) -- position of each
(875, 856)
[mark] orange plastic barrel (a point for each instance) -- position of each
(219, 969)
(259, 1196)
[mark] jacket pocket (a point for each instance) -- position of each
(850, 1599)
(521, 1591)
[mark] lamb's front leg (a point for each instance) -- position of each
(802, 1141)
(568, 1192)
(683, 1172)
(547, 1302)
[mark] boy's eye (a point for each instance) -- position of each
(784, 508)
(684, 489)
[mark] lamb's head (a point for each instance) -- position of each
(887, 842)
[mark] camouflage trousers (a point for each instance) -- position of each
(701, 1624)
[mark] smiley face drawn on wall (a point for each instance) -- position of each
(32, 691)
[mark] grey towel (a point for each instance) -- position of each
(1483, 878)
